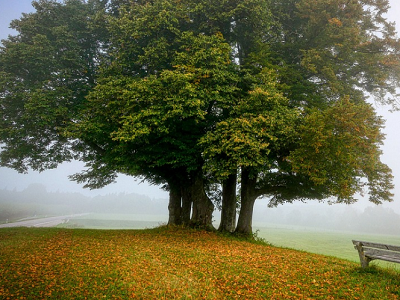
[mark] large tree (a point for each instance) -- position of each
(182, 70)
(329, 57)
(264, 98)
(155, 122)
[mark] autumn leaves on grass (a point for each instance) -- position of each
(173, 264)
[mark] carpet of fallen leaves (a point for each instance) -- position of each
(174, 264)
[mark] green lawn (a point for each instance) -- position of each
(333, 243)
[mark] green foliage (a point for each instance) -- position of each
(45, 73)
(258, 127)
(170, 110)
(339, 148)
(345, 48)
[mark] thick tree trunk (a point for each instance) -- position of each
(228, 212)
(174, 206)
(202, 205)
(248, 198)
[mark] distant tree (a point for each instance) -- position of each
(189, 94)
(379, 220)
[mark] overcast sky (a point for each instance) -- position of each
(57, 179)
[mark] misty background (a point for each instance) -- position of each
(116, 210)
(51, 193)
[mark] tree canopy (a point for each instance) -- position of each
(233, 100)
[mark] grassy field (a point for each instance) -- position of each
(174, 263)
(333, 243)
(116, 221)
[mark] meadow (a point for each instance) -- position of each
(310, 239)
(174, 263)
(116, 221)
(326, 242)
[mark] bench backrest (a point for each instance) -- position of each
(369, 251)
(377, 246)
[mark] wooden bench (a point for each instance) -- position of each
(369, 251)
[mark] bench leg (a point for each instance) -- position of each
(363, 259)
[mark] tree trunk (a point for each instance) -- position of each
(228, 213)
(174, 206)
(202, 205)
(248, 198)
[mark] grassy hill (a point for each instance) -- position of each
(174, 263)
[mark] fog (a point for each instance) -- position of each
(50, 192)
(37, 202)
(133, 209)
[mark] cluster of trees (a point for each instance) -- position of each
(220, 102)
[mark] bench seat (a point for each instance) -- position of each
(369, 251)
